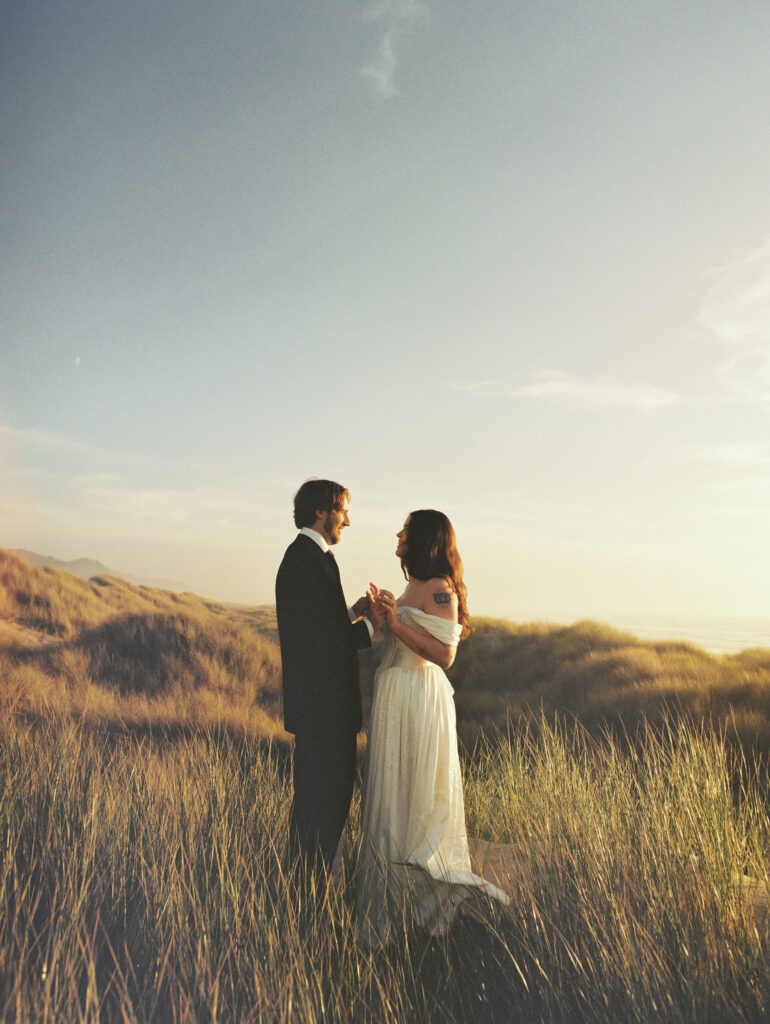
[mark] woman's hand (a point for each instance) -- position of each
(364, 605)
(387, 603)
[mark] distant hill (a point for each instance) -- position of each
(88, 567)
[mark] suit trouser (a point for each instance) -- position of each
(324, 771)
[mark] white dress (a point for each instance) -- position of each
(414, 846)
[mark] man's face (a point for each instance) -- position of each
(333, 523)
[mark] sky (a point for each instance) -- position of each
(506, 259)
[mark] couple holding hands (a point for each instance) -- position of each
(414, 846)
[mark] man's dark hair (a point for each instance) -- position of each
(317, 496)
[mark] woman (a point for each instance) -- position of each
(414, 844)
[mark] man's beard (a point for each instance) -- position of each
(332, 538)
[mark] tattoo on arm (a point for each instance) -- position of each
(441, 597)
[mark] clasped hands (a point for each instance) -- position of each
(377, 605)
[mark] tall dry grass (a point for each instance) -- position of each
(144, 811)
(143, 881)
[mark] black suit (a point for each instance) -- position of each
(321, 696)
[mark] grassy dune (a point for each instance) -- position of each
(601, 676)
(133, 656)
(110, 653)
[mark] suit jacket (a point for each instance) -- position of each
(319, 643)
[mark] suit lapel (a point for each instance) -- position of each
(327, 561)
(331, 565)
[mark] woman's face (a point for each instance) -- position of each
(401, 546)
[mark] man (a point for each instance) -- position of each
(319, 639)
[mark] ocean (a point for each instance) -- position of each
(716, 634)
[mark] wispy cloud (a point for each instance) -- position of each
(604, 391)
(112, 495)
(736, 307)
(50, 481)
(746, 377)
(397, 18)
(44, 441)
(48, 441)
(737, 485)
(736, 312)
(196, 509)
(750, 455)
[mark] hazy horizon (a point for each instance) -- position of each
(510, 261)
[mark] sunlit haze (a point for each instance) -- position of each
(508, 260)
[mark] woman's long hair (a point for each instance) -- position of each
(431, 551)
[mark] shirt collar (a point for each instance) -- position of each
(316, 536)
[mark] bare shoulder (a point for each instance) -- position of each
(439, 598)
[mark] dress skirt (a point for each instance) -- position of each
(414, 861)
